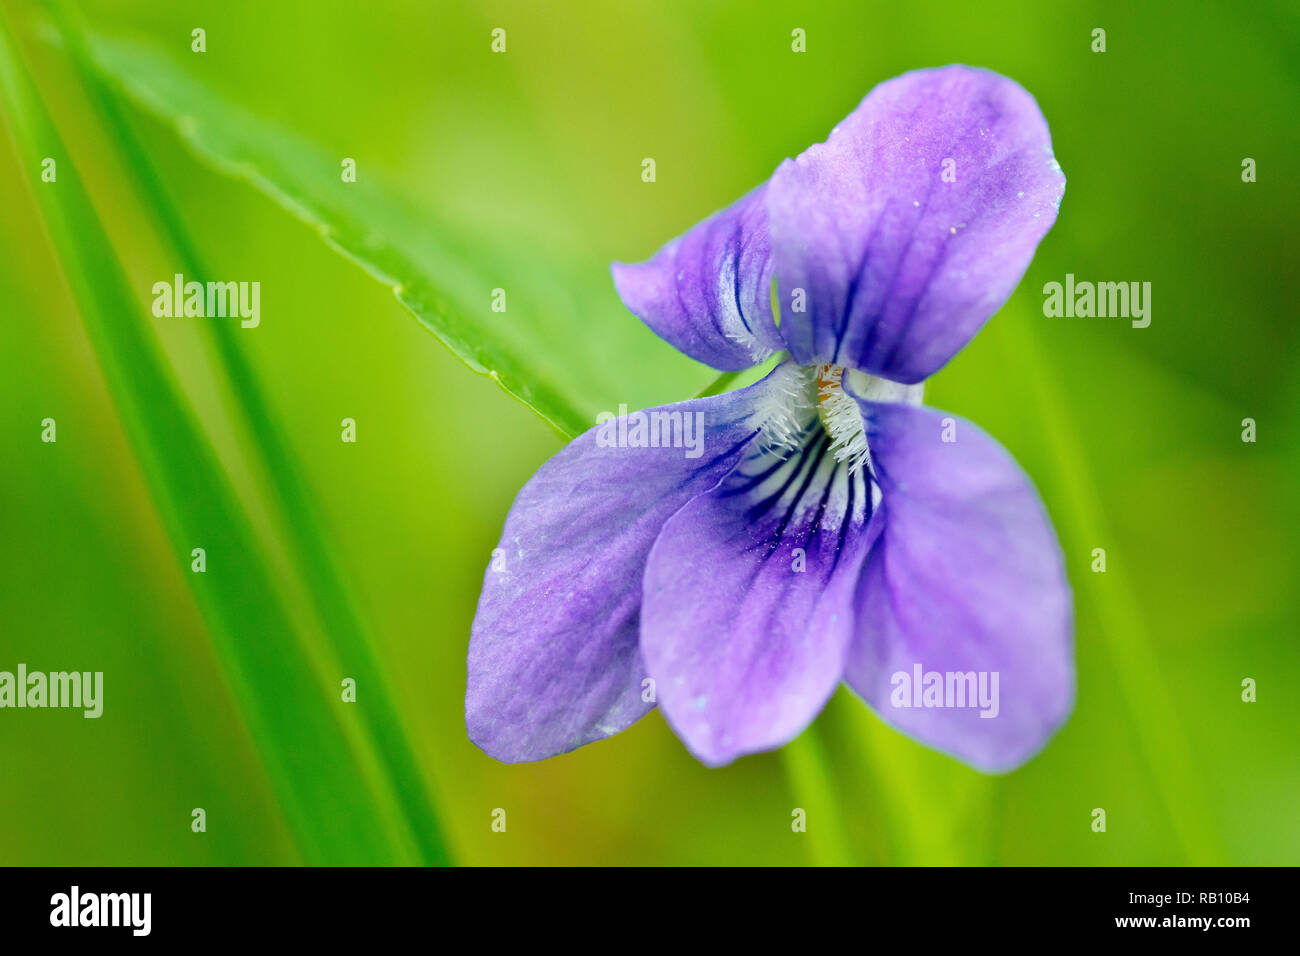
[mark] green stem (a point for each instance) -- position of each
(813, 789)
(718, 385)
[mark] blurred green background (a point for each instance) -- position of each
(1132, 436)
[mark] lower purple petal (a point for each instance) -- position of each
(966, 578)
(553, 661)
(748, 607)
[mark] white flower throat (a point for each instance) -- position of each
(825, 389)
(842, 418)
(841, 415)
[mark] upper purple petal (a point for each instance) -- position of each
(966, 577)
(709, 291)
(748, 606)
(898, 268)
(553, 661)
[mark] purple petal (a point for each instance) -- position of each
(899, 267)
(748, 607)
(709, 291)
(965, 577)
(553, 661)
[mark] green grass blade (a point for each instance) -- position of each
(326, 586)
(331, 812)
(563, 345)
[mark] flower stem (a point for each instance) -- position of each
(813, 790)
(718, 385)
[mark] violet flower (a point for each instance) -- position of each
(820, 525)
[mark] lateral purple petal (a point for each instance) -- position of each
(709, 292)
(966, 581)
(748, 606)
(912, 224)
(553, 661)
